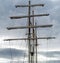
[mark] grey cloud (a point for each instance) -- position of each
(56, 61)
(14, 53)
(51, 61)
(51, 53)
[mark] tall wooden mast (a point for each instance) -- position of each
(32, 39)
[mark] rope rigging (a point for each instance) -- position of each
(11, 57)
(25, 54)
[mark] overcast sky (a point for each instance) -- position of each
(7, 9)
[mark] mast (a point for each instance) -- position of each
(32, 39)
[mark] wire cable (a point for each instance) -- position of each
(24, 54)
(11, 57)
(47, 51)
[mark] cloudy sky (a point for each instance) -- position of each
(48, 50)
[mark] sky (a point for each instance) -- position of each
(48, 50)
